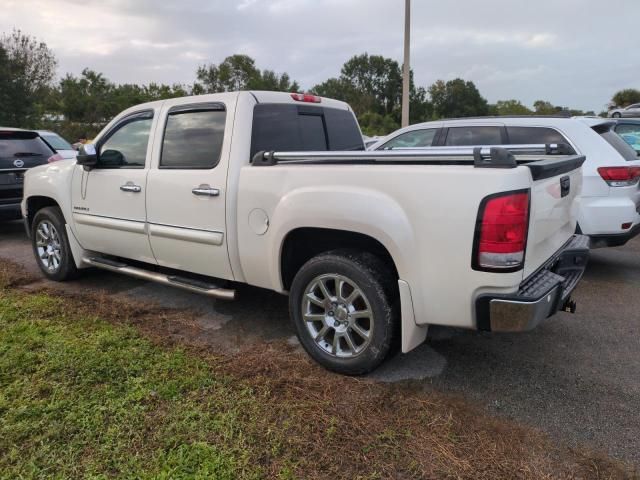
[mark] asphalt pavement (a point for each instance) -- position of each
(576, 377)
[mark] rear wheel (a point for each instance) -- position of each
(51, 245)
(344, 307)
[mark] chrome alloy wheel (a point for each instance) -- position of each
(337, 315)
(48, 245)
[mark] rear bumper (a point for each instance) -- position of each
(614, 240)
(539, 296)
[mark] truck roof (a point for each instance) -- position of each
(259, 95)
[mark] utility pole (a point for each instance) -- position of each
(406, 69)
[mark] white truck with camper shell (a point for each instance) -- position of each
(275, 190)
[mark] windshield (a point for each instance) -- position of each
(57, 142)
(620, 145)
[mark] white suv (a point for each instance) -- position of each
(608, 208)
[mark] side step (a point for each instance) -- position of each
(189, 284)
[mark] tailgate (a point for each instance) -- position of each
(556, 184)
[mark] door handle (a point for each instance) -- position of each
(205, 191)
(131, 187)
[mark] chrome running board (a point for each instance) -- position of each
(184, 283)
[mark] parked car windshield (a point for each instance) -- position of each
(57, 142)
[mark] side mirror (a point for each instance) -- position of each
(87, 156)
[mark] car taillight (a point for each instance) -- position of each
(54, 158)
(620, 176)
(306, 97)
(501, 232)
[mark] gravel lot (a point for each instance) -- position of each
(576, 377)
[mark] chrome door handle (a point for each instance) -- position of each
(205, 191)
(131, 187)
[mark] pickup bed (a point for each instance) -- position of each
(276, 190)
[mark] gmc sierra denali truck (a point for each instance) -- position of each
(275, 190)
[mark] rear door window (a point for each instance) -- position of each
(534, 136)
(465, 136)
(193, 139)
(413, 139)
(302, 128)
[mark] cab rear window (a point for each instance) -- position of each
(296, 128)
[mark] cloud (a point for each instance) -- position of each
(559, 51)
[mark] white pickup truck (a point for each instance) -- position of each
(275, 190)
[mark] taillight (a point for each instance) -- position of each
(306, 97)
(501, 232)
(620, 176)
(54, 158)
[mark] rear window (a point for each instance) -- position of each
(57, 142)
(623, 148)
(12, 146)
(464, 136)
(302, 128)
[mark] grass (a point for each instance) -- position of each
(94, 388)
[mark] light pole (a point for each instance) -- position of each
(406, 69)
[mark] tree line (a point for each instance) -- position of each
(79, 106)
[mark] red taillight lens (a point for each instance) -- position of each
(620, 176)
(501, 234)
(306, 97)
(54, 158)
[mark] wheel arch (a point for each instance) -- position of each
(35, 203)
(303, 243)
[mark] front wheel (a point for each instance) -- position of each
(345, 310)
(616, 115)
(51, 245)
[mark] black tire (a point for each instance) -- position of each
(378, 284)
(616, 115)
(64, 268)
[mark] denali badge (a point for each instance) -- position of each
(18, 163)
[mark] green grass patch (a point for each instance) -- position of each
(82, 398)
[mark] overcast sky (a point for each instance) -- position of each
(571, 52)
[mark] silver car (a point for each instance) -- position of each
(630, 111)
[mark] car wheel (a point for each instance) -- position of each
(51, 245)
(344, 306)
(616, 115)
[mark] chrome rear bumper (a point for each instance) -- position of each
(540, 296)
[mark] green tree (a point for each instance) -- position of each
(372, 85)
(626, 97)
(510, 107)
(457, 98)
(5, 88)
(88, 99)
(28, 70)
(239, 72)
